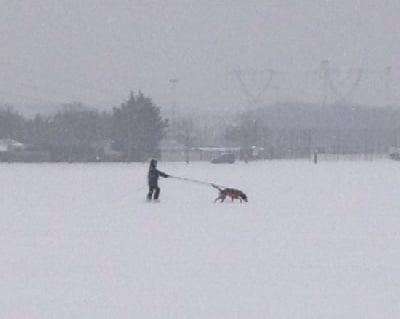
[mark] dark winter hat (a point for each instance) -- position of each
(153, 162)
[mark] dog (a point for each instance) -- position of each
(230, 192)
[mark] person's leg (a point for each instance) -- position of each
(157, 192)
(150, 194)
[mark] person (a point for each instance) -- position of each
(315, 157)
(152, 178)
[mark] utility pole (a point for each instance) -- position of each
(388, 71)
(174, 83)
(325, 75)
(342, 95)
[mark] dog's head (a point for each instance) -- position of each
(243, 196)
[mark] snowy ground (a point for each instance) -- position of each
(315, 241)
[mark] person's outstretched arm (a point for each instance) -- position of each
(162, 174)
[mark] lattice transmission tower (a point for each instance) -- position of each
(255, 98)
(341, 90)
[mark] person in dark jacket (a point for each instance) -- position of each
(152, 179)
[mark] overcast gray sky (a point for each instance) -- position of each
(95, 51)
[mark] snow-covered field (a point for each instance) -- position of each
(314, 241)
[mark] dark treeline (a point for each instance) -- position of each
(135, 130)
(296, 130)
(77, 133)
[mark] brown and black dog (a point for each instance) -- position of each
(230, 192)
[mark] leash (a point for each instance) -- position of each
(196, 181)
(191, 180)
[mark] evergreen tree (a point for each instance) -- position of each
(12, 124)
(71, 133)
(138, 128)
(38, 132)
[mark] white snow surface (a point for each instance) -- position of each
(314, 241)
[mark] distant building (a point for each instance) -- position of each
(8, 145)
(172, 151)
(210, 153)
(14, 151)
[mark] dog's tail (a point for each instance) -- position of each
(217, 187)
